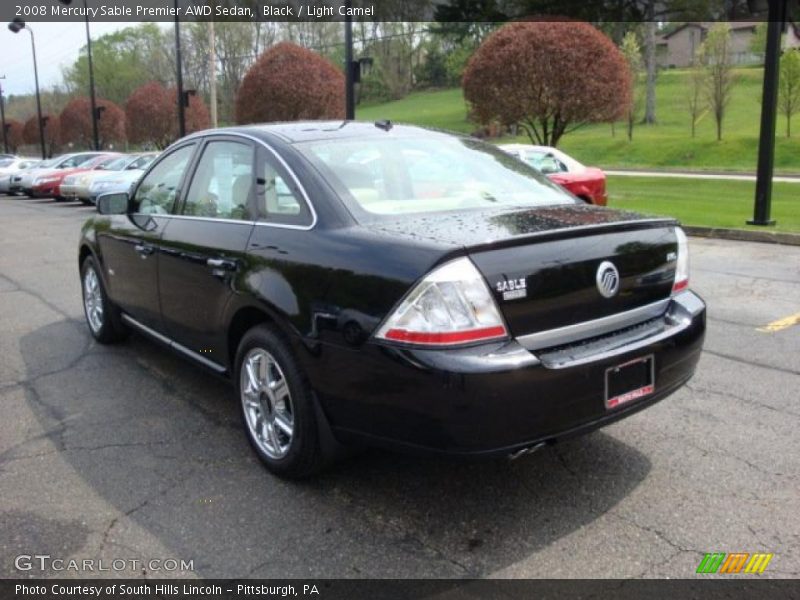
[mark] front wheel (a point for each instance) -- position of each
(101, 315)
(277, 405)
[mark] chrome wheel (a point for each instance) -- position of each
(267, 403)
(93, 300)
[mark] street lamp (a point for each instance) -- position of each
(179, 73)
(353, 69)
(776, 16)
(95, 134)
(16, 26)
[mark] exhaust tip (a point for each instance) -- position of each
(524, 451)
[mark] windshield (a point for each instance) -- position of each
(142, 162)
(5, 162)
(115, 164)
(47, 163)
(399, 175)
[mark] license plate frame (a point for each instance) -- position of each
(629, 381)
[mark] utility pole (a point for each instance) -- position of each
(3, 118)
(776, 17)
(212, 73)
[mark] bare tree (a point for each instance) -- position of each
(633, 56)
(650, 63)
(719, 80)
(695, 97)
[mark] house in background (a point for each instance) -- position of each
(677, 48)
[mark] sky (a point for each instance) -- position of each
(57, 45)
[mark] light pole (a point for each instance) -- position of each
(352, 68)
(179, 73)
(16, 26)
(776, 16)
(3, 119)
(95, 134)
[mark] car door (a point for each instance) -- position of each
(203, 249)
(130, 243)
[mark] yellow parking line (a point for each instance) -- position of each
(780, 324)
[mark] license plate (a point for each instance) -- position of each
(630, 381)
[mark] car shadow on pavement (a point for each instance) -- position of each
(159, 442)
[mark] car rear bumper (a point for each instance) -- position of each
(497, 399)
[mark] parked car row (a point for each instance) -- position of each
(75, 176)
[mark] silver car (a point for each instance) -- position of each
(120, 181)
(12, 166)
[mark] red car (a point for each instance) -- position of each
(587, 183)
(48, 184)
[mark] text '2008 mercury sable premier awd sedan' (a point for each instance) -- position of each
(389, 285)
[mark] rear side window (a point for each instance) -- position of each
(278, 199)
(222, 183)
(156, 194)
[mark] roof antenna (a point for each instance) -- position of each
(384, 124)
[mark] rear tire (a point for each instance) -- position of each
(277, 405)
(102, 316)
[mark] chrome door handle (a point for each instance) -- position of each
(221, 263)
(144, 250)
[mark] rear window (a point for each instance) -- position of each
(388, 176)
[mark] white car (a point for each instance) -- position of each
(12, 166)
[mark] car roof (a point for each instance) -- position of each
(304, 131)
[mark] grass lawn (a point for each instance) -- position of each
(704, 202)
(668, 144)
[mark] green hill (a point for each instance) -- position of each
(668, 144)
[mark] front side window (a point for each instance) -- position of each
(222, 183)
(388, 176)
(158, 190)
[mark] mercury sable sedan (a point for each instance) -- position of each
(388, 285)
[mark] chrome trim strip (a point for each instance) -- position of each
(208, 133)
(670, 331)
(572, 333)
(173, 344)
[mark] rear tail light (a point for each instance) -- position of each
(451, 306)
(682, 264)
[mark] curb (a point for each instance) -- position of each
(744, 235)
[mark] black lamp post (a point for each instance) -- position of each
(179, 73)
(92, 97)
(3, 119)
(353, 69)
(16, 26)
(776, 16)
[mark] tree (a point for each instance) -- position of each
(633, 56)
(14, 134)
(151, 115)
(695, 99)
(290, 83)
(76, 123)
(52, 132)
(716, 54)
(123, 61)
(537, 75)
(789, 87)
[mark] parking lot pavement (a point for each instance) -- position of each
(128, 452)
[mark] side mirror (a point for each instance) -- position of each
(115, 203)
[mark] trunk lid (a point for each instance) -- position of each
(542, 264)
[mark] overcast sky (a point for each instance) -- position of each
(57, 44)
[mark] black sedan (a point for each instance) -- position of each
(388, 285)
